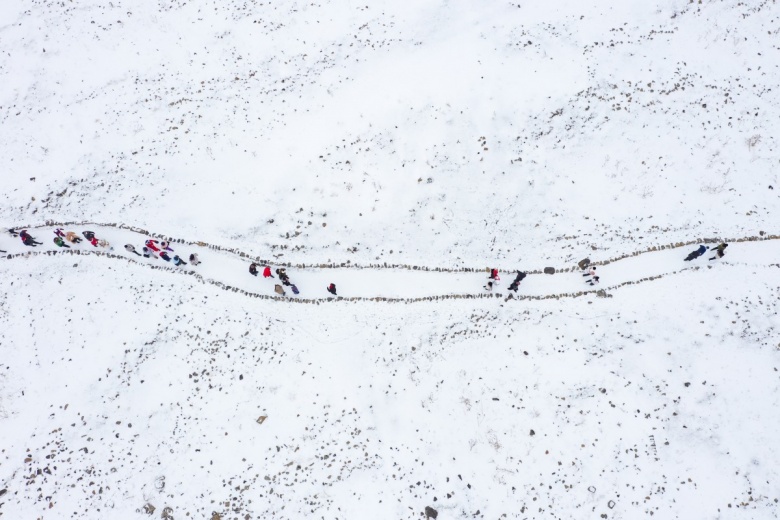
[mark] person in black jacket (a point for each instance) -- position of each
(332, 289)
(516, 283)
(27, 239)
(131, 249)
(593, 281)
(696, 254)
(253, 269)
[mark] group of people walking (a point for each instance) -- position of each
(61, 238)
(152, 248)
(589, 271)
(161, 249)
(720, 252)
(283, 277)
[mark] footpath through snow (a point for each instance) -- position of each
(230, 270)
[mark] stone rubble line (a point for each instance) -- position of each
(598, 292)
(384, 265)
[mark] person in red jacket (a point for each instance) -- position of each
(332, 289)
(152, 244)
(267, 272)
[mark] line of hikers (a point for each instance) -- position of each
(284, 278)
(589, 271)
(160, 249)
(152, 248)
(720, 252)
(60, 238)
(493, 278)
(281, 273)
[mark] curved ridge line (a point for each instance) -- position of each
(384, 265)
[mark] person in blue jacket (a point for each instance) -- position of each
(696, 254)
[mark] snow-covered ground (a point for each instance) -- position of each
(124, 386)
(445, 132)
(440, 137)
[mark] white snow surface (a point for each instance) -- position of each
(446, 135)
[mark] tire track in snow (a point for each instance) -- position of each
(227, 269)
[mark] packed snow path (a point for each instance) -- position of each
(229, 269)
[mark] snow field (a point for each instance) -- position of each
(449, 134)
(313, 131)
(364, 401)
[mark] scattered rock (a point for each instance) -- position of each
(549, 270)
(533, 433)
(3, 492)
(592, 489)
(687, 385)
(261, 419)
(149, 509)
(430, 512)
(584, 263)
(611, 504)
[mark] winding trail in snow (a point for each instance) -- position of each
(228, 269)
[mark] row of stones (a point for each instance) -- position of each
(600, 292)
(385, 265)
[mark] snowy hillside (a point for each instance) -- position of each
(396, 149)
(124, 387)
(467, 133)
